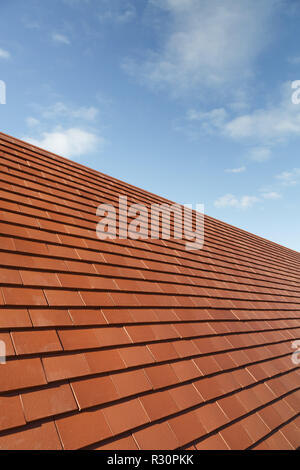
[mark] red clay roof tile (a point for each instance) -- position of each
(175, 348)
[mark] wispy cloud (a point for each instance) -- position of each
(289, 178)
(229, 200)
(205, 43)
(272, 195)
(260, 154)
(263, 128)
(236, 170)
(60, 109)
(60, 38)
(4, 54)
(72, 142)
(32, 122)
(117, 11)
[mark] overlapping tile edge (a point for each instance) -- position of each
(126, 344)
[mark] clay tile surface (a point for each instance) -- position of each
(137, 344)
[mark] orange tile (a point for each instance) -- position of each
(41, 437)
(65, 366)
(187, 428)
(23, 296)
(62, 298)
(50, 401)
(156, 437)
(83, 429)
(21, 373)
(159, 405)
(95, 391)
(11, 412)
(212, 443)
(161, 376)
(14, 318)
(30, 342)
(131, 383)
(125, 416)
(125, 443)
(50, 317)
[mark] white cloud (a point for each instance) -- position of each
(236, 170)
(60, 38)
(206, 43)
(117, 11)
(72, 142)
(229, 200)
(32, 122)
(209, 121)
(265, 127)
(289, 178)
(260, 154)
(60, 109)
(4, 54)
(272, 195)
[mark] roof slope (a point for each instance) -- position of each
(125, 344)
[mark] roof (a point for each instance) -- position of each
(137, 344)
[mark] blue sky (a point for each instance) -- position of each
(189, 99)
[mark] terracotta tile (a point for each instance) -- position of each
(185, 348)
(14, 318)
(79, 339)
(136, 355)
(207, 365)
(118, 316)
(23, 296)
(161, 376)
(159, 405)
(125, 443)
(95, 391)
(291, 433)
(9, 348)
(39, 279)
(65, 366)
(40, 437)
(232, 407)
(215, 442)
(11, 412)
(30, 342)
(125, 416)
(186, 370)
(212, 417)
(87, 317)
(236, 437)
(278, 442)
(185, 396)
(63, 298)
(156, 437)
(187, 428)
(163, 351)
(141, 334)
(112, 336)
(209, 388)
(131, 383)
(83, 429)
(104, 361)
(255, 426)
(10, 276)
(234, 305)
(48, 401)
(21, 373)
(50, 317)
